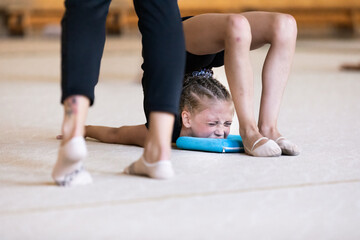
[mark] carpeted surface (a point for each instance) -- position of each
(214, 196)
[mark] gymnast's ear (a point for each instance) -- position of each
(186, 118)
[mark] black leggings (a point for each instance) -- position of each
(83, 39)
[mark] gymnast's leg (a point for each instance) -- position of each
(164, 61)
(280, 31)
(82, 44)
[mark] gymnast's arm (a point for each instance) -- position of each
(128, 135)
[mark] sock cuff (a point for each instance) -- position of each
(75, 149)
(161, 162)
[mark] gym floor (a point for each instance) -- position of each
(315, 195)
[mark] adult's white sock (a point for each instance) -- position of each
(159, 170)
(68, 170)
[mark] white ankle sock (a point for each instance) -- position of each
(159, 170)
(68, 170)
(288, 147)
(269, 149)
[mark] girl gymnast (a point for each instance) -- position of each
(229, 38)
(213, 40)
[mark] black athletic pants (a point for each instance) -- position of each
(83, 39)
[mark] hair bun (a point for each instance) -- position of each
(196, 75)
(207, 73)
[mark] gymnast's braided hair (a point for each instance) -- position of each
(198, 85)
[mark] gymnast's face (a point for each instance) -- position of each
(212, 122)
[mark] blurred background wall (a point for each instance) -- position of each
(314, 17)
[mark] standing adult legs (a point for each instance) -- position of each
(164, 61)
(82, 44)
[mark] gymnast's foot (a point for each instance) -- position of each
(259, 146)
(287, 147)
(68, 170)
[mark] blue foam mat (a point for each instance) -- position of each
(232, 144)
